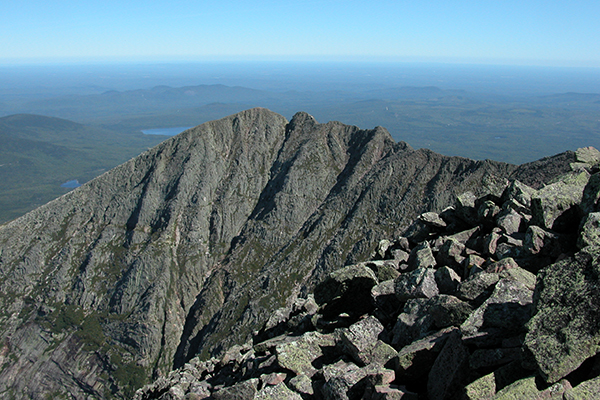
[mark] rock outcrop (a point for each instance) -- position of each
(459, 321)
(188, 249)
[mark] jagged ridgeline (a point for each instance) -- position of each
(188, 248)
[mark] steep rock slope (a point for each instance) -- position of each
(187, 248)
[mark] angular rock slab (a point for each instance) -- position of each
(565, 328)
(449, 369)
(297, 356)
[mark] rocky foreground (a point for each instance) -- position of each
(496, 297)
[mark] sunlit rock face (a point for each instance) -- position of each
(188, 248)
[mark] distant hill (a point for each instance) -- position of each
(38, 154)
(513, 129)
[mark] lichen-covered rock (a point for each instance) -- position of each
(419, 283)
(244, 390)
(278, 392)
(415, 360)
(510, 221)
(519, 193)
(451, 253)
(415, 322)
(556, 206)
(590, 201)
(508, 308)
(360, 338)
(447, 310)
(585, 390)
(347, 290)
(565, 328)
(340, 378)
(298, 355)
(447, 280)
(449, 369)
(421, 257)
(590, 231)
(483, 388)
(478, 287)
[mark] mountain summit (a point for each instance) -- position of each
(189, 247)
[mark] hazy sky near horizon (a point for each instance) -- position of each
(528, 32)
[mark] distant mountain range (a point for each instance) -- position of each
(189, 247)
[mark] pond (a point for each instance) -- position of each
(166, 131)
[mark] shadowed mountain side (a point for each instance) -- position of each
(189, 247)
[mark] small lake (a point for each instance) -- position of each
(71, 184)
(166, 131)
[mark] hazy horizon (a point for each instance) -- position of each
(534, 33)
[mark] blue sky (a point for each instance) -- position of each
(527, 32)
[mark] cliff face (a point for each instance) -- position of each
(189, 247)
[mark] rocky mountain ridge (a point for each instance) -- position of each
(187, 248)
(451, 310)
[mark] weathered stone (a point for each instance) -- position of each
(416, 359)
(490, 242)
(385, 298)
(347, 290)
(447, 280)
(419, 231)
(488, 210)
(508, 308)
(361, 338)
(385, 392)
(588, 155)
(520, 275)
(483, 388)
(486, 358)
(413, 323)
(527, 389)
(382, 249)
(448, 310)
(278, 392)
(244, 390)
(585, 390)
(556, 206)
(419, 283)
(510, 221)
(383, 271)
(565, 328)
(298, 355)
(432, 219)
(400, 256)
(467, 236)
(421, 257)
(465, 207)
(521, 389)
(590, 201)
(272, 379)
(302, 384)
(502, 265)
(589, 234)
(539, 241)
(200, 389)
(449, 369)
(451, 253)
(518, 192)
(402, 243)
(378, 374)
(477, 288)
(340, 379)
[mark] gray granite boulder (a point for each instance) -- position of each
(419, 283)
(565, 328)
